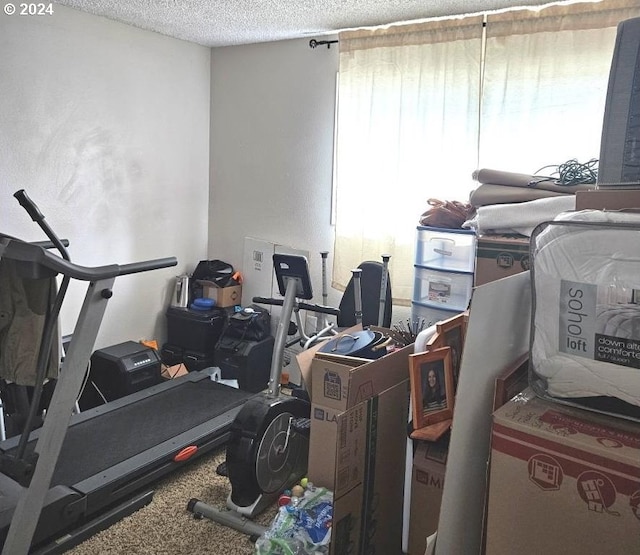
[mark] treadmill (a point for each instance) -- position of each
(79, 473)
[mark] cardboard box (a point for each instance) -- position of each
(224, 296)
(499, 256)
(427, 483)
(341, 382)
(608, 199)
(359, 454)
(357, 446)
(175, 371)
(304, 358)
(562, 480)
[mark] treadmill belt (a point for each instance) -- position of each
(96, 444)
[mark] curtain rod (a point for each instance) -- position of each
(313, 43)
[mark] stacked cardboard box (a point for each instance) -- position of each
(357, 447)
(427, 482)
(499, 256)
(562, 480)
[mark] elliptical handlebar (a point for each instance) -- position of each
(301, 305)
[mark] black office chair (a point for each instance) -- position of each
(370, 287)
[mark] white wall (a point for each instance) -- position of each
(272, 125)
(107, 129)
(138, 146)
(272, 129)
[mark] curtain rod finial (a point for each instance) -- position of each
(313, 43)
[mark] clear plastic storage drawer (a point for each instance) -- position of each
(446, 249)
(438, 289)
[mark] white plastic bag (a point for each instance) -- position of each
(302, 527)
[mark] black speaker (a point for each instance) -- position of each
(119, 370)
(249, 362)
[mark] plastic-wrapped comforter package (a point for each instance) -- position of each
(585, 342)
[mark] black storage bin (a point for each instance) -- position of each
(195, 362)
(195, 330)
(249, 362)
(171, 354)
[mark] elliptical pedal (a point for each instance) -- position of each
(302, 425)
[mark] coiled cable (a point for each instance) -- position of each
(569, 173)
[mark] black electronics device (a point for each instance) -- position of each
(249, 362)
(620, 144)
(120, 370)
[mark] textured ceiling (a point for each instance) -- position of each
(232, 22)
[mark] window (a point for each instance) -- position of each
(421, 106)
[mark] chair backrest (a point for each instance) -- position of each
(370, 285)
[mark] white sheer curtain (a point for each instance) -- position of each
(407, 117)
(545, 82)
(420, 107)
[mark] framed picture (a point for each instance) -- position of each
(435, 341)
(451, 334)
(432, 393)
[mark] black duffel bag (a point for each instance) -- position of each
(250, 324)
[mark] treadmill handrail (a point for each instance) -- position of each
(16, 249)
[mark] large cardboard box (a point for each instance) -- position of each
(341, 382)
(562, 480)
(499, 256)
(427, 482)
(359, 454)
(357, 447)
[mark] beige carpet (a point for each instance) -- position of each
(166, 527)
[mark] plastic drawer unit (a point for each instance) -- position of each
(443, 273)
(438, 289)
(442, 249)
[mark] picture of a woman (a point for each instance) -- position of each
(433, 392)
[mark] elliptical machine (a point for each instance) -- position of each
(269, 442)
